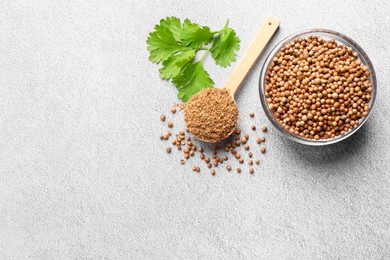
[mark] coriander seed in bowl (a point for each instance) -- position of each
(317, 87)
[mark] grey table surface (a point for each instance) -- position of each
(83, 174)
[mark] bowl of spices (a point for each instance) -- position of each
(317, 87)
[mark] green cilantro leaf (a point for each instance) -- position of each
(162, 42)
(191, 80)
(174, 25)
(225, 47)
(194, 35)
(176, 44)
(174, 64)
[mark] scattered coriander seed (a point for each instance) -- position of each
(168, 149)
(253, 127)
(250, 162)
(197, 168)
(234, 151)
(215, 163)
(262, 150)
(238, 142)
(173, 110)
(237, 155)
(228, 167)
(251, 114)
(246, 147)
(194, 148)
(186, 156)
(161, 137)
(182, 132)
(257, 161)
(192, 153)
(246, 136)
(178, 147)
(214, 156)
(170, 124)
(225, 157)
(226, 149)
(251, 170)
(174, 141)
(182, 162)
(162, 117)
(238, 131)
(262, 139)
(193, 168)
(212, 172)
(202, 156)
(201, 149)
(165, 136)
(207, 159)
(209, 165)
(250, 155)
(244, 140)
(264, 128)
(241, 160)
(258, 140)
(169, 133)
(238, 170)
(186, 150)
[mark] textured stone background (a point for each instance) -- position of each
(83, 174)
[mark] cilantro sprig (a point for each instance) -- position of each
(175, 44)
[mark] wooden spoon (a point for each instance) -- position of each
(256, 47)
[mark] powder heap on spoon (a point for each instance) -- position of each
(211, 115)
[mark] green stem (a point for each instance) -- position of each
(205, 53)
(207, 49)
(224, 27)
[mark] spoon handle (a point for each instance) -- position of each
(256, 47)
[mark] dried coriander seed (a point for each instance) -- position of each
(262, 150)
(170, 124)
(162, 117)
(168, 149)
(318, 89)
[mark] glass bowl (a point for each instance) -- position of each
(325, 34)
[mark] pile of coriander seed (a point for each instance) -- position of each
(221, 156)
(317, 89)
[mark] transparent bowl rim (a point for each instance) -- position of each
(339, 37)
